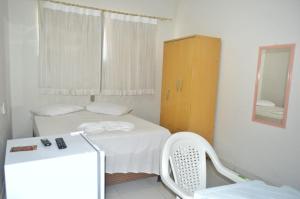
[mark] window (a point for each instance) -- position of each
(71, 62)
(129, 55)
(70, 50)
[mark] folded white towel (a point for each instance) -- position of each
(98, 127)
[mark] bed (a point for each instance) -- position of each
(135, 152)
(274, 112)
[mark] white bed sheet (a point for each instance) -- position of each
(135, 151)
(270, 111)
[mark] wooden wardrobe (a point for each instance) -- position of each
(189, 85)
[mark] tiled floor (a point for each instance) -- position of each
(139, 189)
(149, 188)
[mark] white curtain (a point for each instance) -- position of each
(129, 55)
(70, 49)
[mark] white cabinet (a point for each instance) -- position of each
(48, 172)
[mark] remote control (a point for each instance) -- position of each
(60, 143)
(46, 142)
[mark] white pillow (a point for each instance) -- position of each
(108, 108)
(265, 103)
(56, 109)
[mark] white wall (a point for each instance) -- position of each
(24, 68)
(244, 25)
(5, 124)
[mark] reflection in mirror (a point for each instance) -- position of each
(273, 84)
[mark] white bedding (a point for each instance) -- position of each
(270, 111)
(136, 151)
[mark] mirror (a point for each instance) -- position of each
(272, 85)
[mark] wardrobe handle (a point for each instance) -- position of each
(168, 94)
(181, 85)
(177, 85)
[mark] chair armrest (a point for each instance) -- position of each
(229, 173)
(223, 170)
(174, 187)
(167, 180)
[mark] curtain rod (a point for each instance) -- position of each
(107, 10)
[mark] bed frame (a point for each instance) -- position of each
(116, 178)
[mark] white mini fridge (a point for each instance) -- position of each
(76, 172)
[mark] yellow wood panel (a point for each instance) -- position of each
(183, 83)
(168, 95)
(190, 75)
(176, 84)
(204, 88)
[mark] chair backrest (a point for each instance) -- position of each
(185, 153)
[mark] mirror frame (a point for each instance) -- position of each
(281, 124)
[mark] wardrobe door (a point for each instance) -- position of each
(183, 83)
(168, 94)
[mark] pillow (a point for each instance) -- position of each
(56, 109)
(265, 103)
(108, 108)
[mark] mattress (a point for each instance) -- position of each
(136, 151)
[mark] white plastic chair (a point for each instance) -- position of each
(185, 154)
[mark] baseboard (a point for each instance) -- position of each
(242, 171)
(115, 178)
